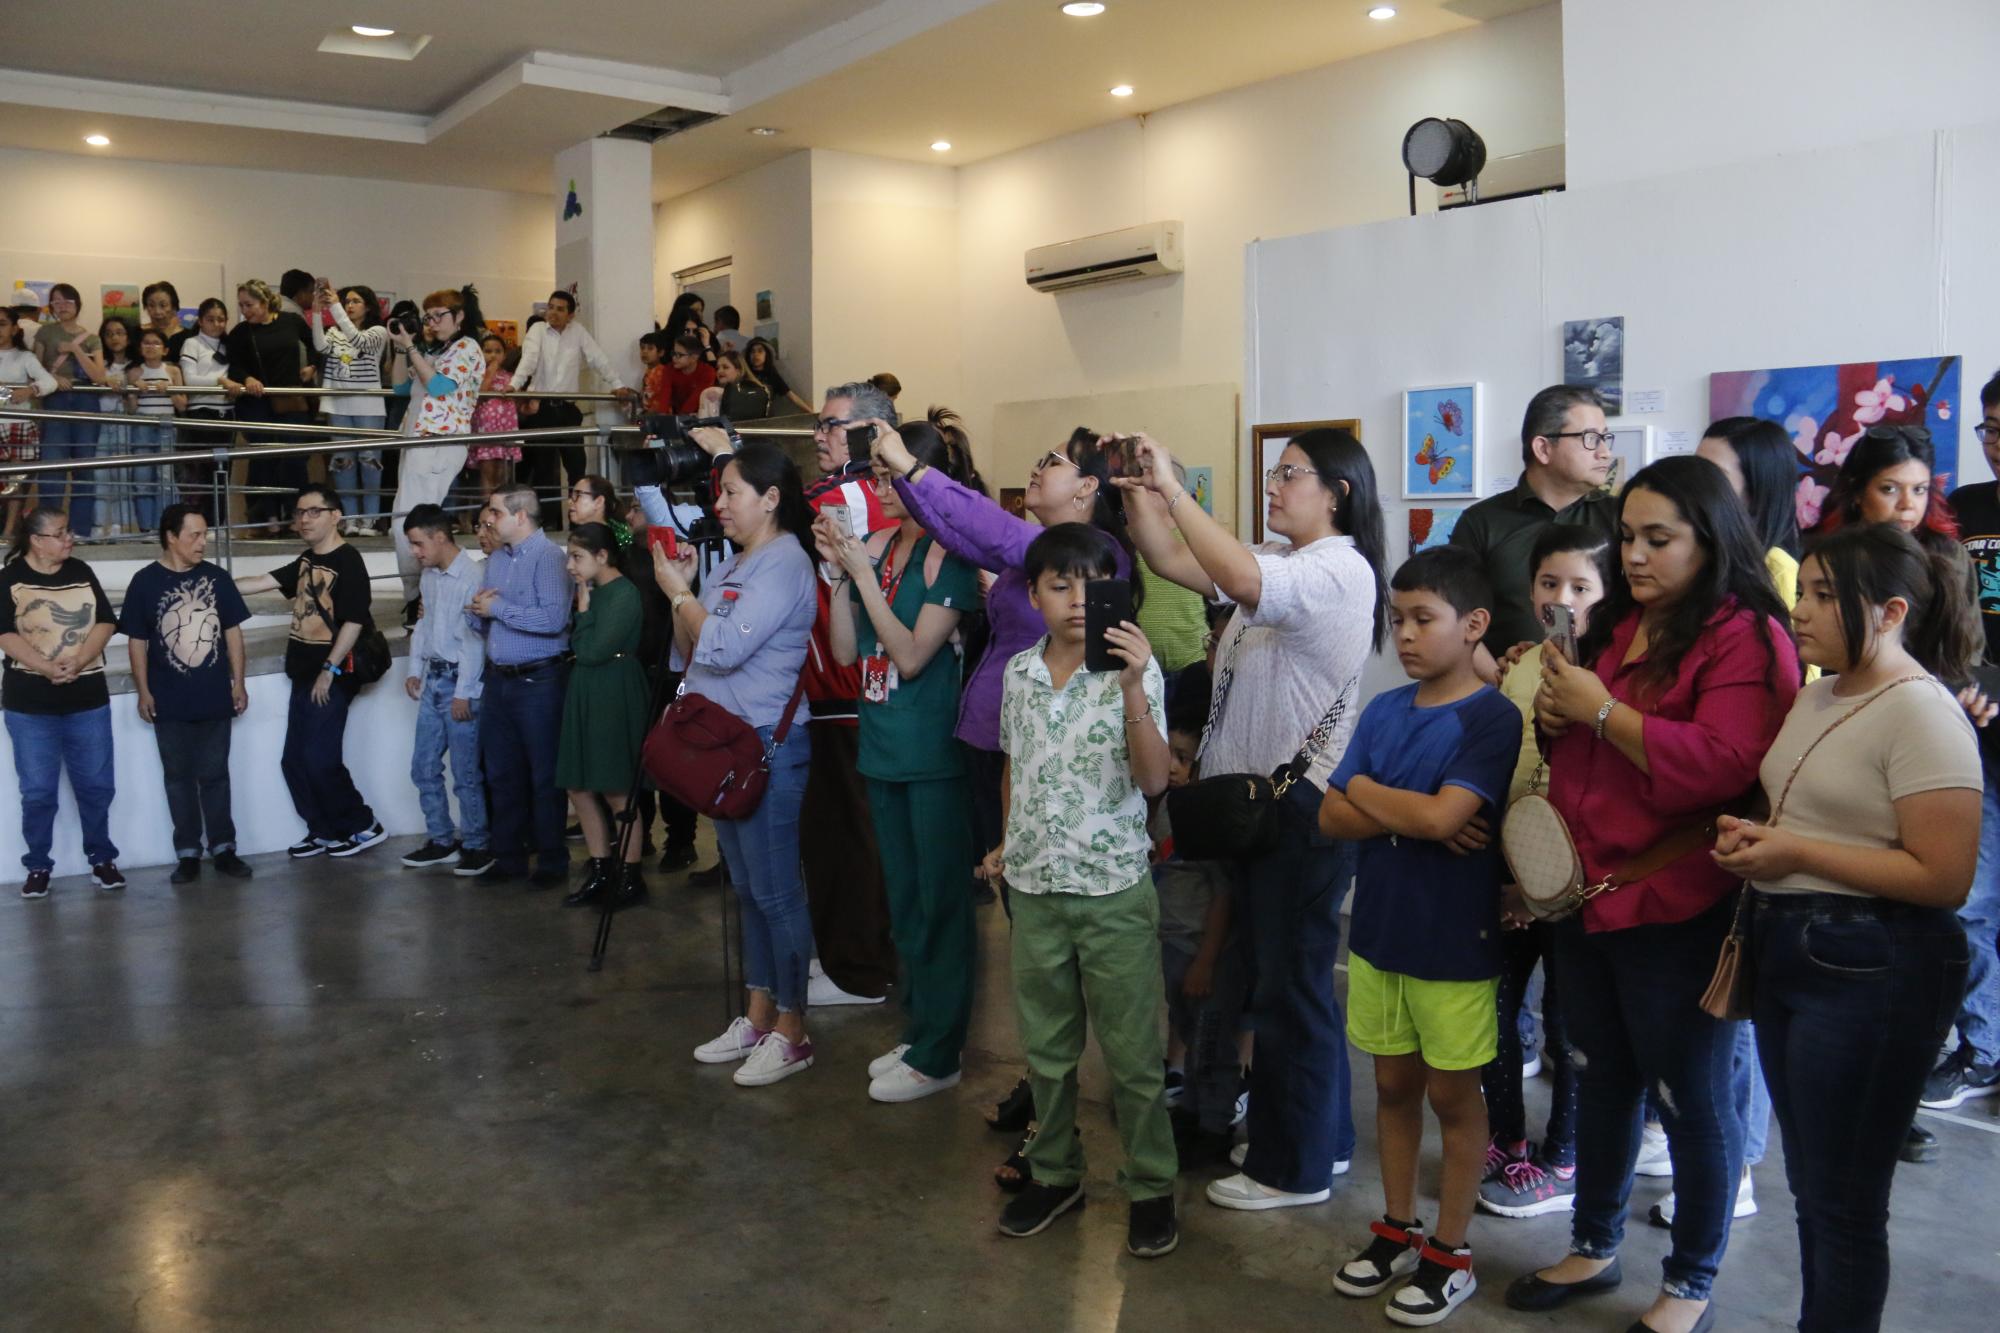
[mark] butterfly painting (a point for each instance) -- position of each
(1441, 442)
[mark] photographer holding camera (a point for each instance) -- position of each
(444, 376)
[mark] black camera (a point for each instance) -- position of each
(406, 319)
(680, 461)
(860, 443)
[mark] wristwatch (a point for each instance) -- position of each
(674, 602)
(331, 667)
(1603, 716)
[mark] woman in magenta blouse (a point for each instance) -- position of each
(1692, 669)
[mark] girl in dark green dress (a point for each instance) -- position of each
(604, 711)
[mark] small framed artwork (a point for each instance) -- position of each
(1431, 525)
(1267, 445)
(1631, 449)
(1441, 442)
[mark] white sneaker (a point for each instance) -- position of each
(821, 992)
(887, 1061)
(1246, 1195)
(1661, 1214)
(1531, 1066)
(1655, 1158)
(1341, 1165)
(736, 1041)
(771, 1059)
(900, 1083)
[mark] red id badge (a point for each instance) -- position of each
(878, 677)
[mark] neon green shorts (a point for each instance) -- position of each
(1452, 1024)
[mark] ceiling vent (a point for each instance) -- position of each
(662, 124)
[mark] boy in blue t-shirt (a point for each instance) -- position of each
(1425, 761)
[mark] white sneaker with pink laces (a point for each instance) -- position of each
(773, 1058)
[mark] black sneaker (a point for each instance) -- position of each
(1152, 1230)
(1392, 1253)
(1443, 1282)
(232, 865)
(433, 854)
(186, 870)
(473, 862)
(310, 847)
(37, 885)
(108, 876)
(1919, 1145)
(678, 856)
(1958, 1080)
(574, 833)
(1037, 1205)
(360, 842)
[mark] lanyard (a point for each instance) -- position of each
(891, 584)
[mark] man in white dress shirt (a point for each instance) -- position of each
(553, 355)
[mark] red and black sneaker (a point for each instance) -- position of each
(1391, 1254)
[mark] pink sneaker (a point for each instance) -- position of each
(772, 1059)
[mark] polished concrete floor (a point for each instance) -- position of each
(352, 1096)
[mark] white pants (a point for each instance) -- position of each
(426, 478)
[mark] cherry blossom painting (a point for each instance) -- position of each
(1827, 408)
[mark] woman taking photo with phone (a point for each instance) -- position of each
(895, 613)
(1690, 669)
(1858, 961)
(1309, 610)
(353, 348)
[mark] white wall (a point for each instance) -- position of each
(885, 275)
(1301, 153)
(1658, 88)
(762, 219)
(392, 235)
(1801, 269)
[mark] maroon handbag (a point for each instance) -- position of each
(711, 760)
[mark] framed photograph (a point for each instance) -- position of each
(1441, 442)
(1631, 449)
(1594, 358)
(1267, 445)
(1431, 525)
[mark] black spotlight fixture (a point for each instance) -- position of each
(1443, 152)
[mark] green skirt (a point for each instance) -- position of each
(604, 723)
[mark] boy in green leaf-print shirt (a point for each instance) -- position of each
(1084, 751)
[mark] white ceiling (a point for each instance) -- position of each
(505, 84)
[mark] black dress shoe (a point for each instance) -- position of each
(232, 865)
(630, 891)
(186, 870)
(678, 856)
(1701, 1325)
(1919, 1145)
(596, 882)
(714, 877)
(1532, 1293)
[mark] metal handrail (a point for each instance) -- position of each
(322, 391)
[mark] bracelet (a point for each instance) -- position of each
(1603, 715)
(915, 472)
(674, 602)
(1179, 496)
(1135, 721)
(330, 668)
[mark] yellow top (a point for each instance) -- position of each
(1785, 574)
(1519, 685)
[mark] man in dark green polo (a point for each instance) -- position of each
(1565, 458)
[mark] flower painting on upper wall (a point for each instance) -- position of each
(1826, 409)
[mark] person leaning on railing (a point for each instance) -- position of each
(445, 373)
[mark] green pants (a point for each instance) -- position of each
(927, 857)
(1077, 956)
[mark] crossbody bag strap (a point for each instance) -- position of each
(1221, 692)
(785, 722)
(1843, 719)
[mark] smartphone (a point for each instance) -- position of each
(1562, 629)
(663, 537)
(860, 443)
(841, 516)
(1106, 602)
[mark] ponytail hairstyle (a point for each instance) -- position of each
(1087, 450)
(1870, 563)
(1769, 462)
(607, 490)
(40, 519)
(1879, 449)
(764, 466)
(1344, 469)
(465, 301)
(952, 452)
(595, 538)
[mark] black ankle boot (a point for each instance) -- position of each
(632, 890)
(597, 878)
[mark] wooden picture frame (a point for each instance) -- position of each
(1267, 442)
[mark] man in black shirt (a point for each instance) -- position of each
(54, 623)
(328, 587)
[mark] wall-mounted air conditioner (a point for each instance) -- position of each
(1114, 256)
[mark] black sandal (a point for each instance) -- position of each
(1013, 1112)
(1017, 1162)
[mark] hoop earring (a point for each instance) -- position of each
(1076, 502)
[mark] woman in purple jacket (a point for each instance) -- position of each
(1067, 485)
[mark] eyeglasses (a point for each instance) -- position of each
(59, 535)
(1284, 472)
(577, 494)
(1987, 432)
(831, 423)
(1593, 440)
(311, 511)
(1053, 458)
(437, 316)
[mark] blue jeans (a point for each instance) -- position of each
(1979, 1012)
(354, 503)
(438, 735)
(71, 439)
(323, 792)
(44, 745)
(1301, 1117)
(194, 762)
(763, 856)
(152, 488)
(1853, 996)
(1749, 1095)
(520, 719)
(1632, 1010)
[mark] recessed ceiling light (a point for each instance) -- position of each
(762, 131)
(1380, 12)
(1083, 11)
(97, 141)
(1122, 90)
(941, 146)
(360, 30)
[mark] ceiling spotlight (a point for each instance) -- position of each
(361, 30)
(941, 146)
(1083, 11)
(762, 131)
(1380, 12)
(97, 141)
(1122, 90)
